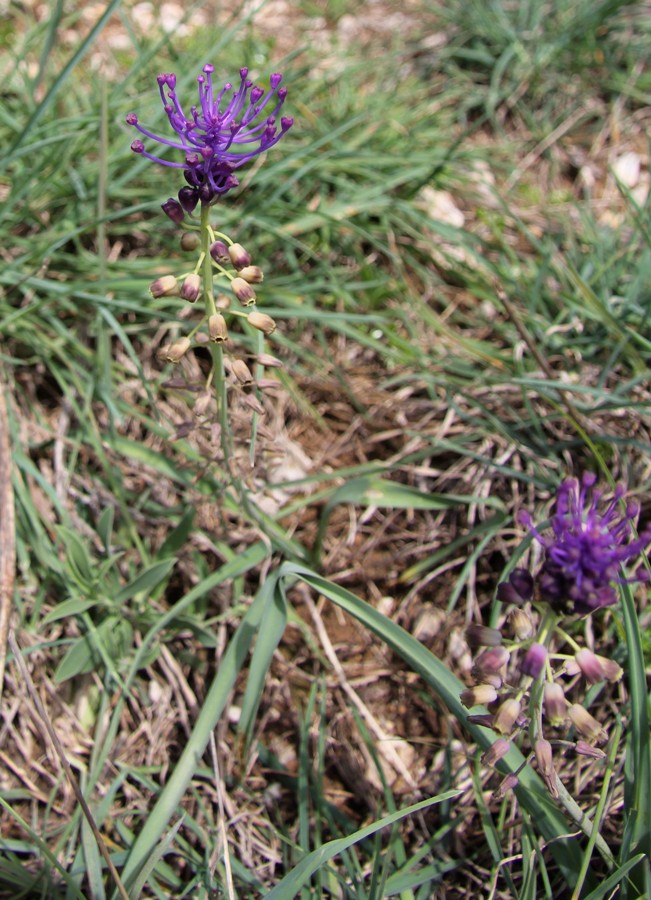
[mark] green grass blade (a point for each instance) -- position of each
(294, 881)
(531, 791)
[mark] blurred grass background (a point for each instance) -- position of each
(455, 238)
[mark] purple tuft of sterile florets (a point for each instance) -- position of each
(225, 130)
(583, 558)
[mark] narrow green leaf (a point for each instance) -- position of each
(72, 607)
(294, 881)
(146, 581)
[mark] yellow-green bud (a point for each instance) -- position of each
(166, 286)
(554, 702)
(506, 716)
(262, 322)
(217, 328)
(252, 274)
(243, 291)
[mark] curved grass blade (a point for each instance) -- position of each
(531, 792)
(294, 881)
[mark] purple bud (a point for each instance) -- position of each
(219, 251)
(188, 198)
(591, 668)
(534, 660)
(174, 210)
(518, 589)
(138, 147)
(491, 661)
(132, 119)
(496, 751)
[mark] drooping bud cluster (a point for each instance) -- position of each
(233, 273)
(530, 677)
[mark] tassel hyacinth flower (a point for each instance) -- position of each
(225, 130)
(584, 556)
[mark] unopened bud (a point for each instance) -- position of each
(483, 636)
(484, 719)
(241, 371)
(176, 350)
(491, 661)
(507, 784)
(554, 702)
(520, 623)
(545, 760)
(189, 241)
(254, 404)
(612, 670)
(188, 198)
(239, 257)
(585, 749)
(166, 286)
(243, 291)
(591, 668)
(481, 695)
(217, 330)
(506, 716)
(191, 288)
(271, 362)
(174, 210)
(202, 403)
(533, 662)
(223, 301)
(262, 322)
(252, 274)
(496, 751)
(586, 724)
(219, 251)
(518, 589)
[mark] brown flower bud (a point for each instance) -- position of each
(243, 291)
(545, 760)
(177, 349)
(496, 751)
(586, 724)
(262, 322)
(191, 288)
(481, 695)
(239, 257)
(241, 371)
(190, 241)
(484, 719)
(584, 749)
(166, 286)
(483, 636)
(223, 301)
(217, 330)
(520, 624)
(271, 362)
(252, 274)
(507, 784)
(506, 716)
(202, 403)
(554, 702)
(254, 404)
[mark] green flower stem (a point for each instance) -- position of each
(217, 375)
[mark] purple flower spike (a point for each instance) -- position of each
(583, 559)
(225, 130)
